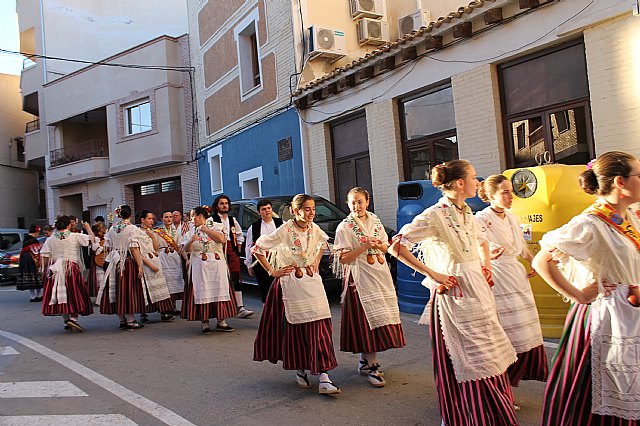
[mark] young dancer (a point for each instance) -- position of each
(471, 352)
(594, 261)
(370, 314)
(512, 290)
(295, 327)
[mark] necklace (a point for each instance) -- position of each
(498, 212)
(301, 227)
(454, 204)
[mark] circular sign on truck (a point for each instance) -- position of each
(524, 183)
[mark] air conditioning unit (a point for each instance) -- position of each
(326, 43)
(373, 31)
(413, 22)
(366, 9)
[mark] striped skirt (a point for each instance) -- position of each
(162, 306)
(194, 312)
(567, 398)
(28, 275)
(531, 365)
(307, 346)
(78, 301)
(129, 294)
(480, 402)
(92, 279)
(355, 334)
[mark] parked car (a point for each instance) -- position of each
(328, 217)
(10, 260)
(10, 236)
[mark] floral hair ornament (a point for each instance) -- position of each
(590, 164)
(208, 209)
(118, 211)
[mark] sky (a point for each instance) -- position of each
(9, 38)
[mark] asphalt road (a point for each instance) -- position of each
(171, 373)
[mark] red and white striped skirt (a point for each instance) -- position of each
(479, 402)
(355, 334)
(78, 301)
(531, 365)
(307, 346)
(195, 312)
(129, 294)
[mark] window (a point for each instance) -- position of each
(251, 182)
(215, 169)
(428, 131)
(246, 36)
(20, 149)
(138, 118)
(546, 105)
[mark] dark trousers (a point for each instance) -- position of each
(264, 281)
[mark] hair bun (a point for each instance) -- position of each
(589, 182)
(438, 175)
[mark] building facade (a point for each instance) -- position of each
(502, 83)
(115, 133)
(22, 200)
(246, 66)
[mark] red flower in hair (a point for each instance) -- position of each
(207, 208)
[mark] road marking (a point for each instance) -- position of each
(8, 350)
(156, 410)
(51, 389)
(75, 420)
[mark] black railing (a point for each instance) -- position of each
(81, 151)
(32, 126)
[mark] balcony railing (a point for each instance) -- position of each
(32, 126)
(81, 151)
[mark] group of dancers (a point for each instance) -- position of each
(483, 322)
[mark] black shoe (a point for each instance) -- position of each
(225, 328)
(205, 328)
(74, 326)
(167, 317)
(123, 324)
(40, 299)
(144, 319)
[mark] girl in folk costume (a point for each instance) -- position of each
(512, 291)
(121, 292)
(171, 256)
(208, 292)
(594, 260)
(156, 292)
(471, 352)
(370, 315)
(295, 327)
(29, 277)
(97, 266)
(65, 292)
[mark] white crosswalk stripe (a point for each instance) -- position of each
(8, 350)
(51, 389)
(73, 420)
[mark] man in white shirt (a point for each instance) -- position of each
(264, 226)
(235, 239)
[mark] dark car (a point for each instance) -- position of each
(10, 260)
(328, 217)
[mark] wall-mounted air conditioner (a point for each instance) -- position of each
(413, 22)
(366, 9)
(373, 31)
(326, 43)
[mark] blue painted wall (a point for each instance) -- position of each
(254, 147)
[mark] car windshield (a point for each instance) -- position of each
(324, 210)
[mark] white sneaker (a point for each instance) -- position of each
(244, 313)
(328, 388)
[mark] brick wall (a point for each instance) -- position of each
(279, 40)
(613, 71)
(476, 99)
(385, 154)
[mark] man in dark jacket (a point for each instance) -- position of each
(263, 226)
